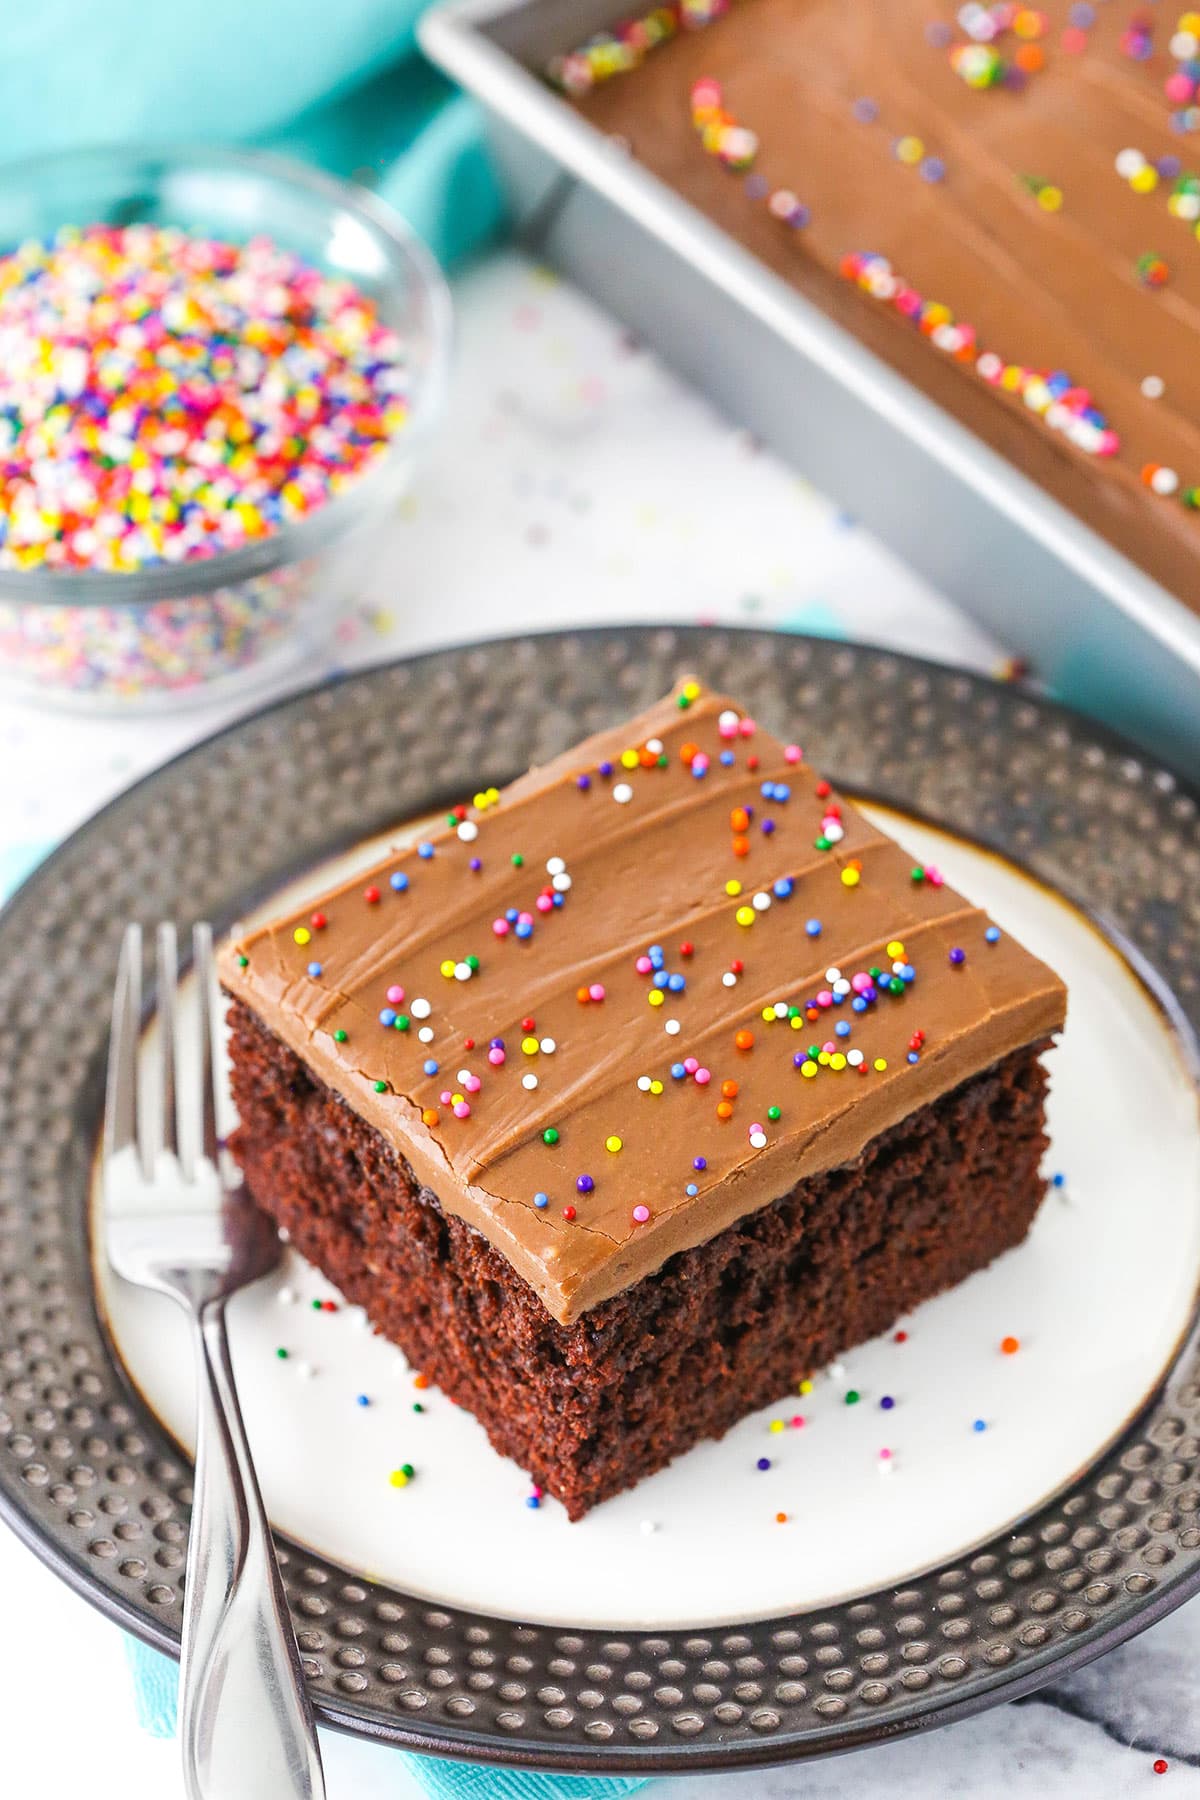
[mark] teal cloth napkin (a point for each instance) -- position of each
(340, 85)
(155, 1680)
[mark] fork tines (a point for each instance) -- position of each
(174, 1112)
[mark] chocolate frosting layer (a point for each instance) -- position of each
(589, 1111)
(1049, 290)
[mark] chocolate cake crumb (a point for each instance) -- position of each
(719, 1330)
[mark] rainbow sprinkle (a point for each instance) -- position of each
(1050, 394)
(626, 46)
(164, 397)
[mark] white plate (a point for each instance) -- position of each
(700, 1541)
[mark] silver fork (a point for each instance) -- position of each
(175, 1220)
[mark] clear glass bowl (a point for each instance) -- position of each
(212, 627)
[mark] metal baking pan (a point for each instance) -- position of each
(1095, 628)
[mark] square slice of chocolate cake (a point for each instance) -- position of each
(641, 1089)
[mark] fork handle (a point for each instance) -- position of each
(246, 1725)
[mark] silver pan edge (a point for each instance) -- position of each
(1096, 629)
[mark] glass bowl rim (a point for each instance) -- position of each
(301, 538)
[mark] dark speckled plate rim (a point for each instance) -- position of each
(713, 1750)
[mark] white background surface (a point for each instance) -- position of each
(574, 482)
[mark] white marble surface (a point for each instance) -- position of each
(70, 1730)
(574, 482)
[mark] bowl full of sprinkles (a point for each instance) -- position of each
(216, 373)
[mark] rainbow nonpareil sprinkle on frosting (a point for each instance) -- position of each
(1050, 394)
(596, 1024)
(1071, 309)
(615, 52)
